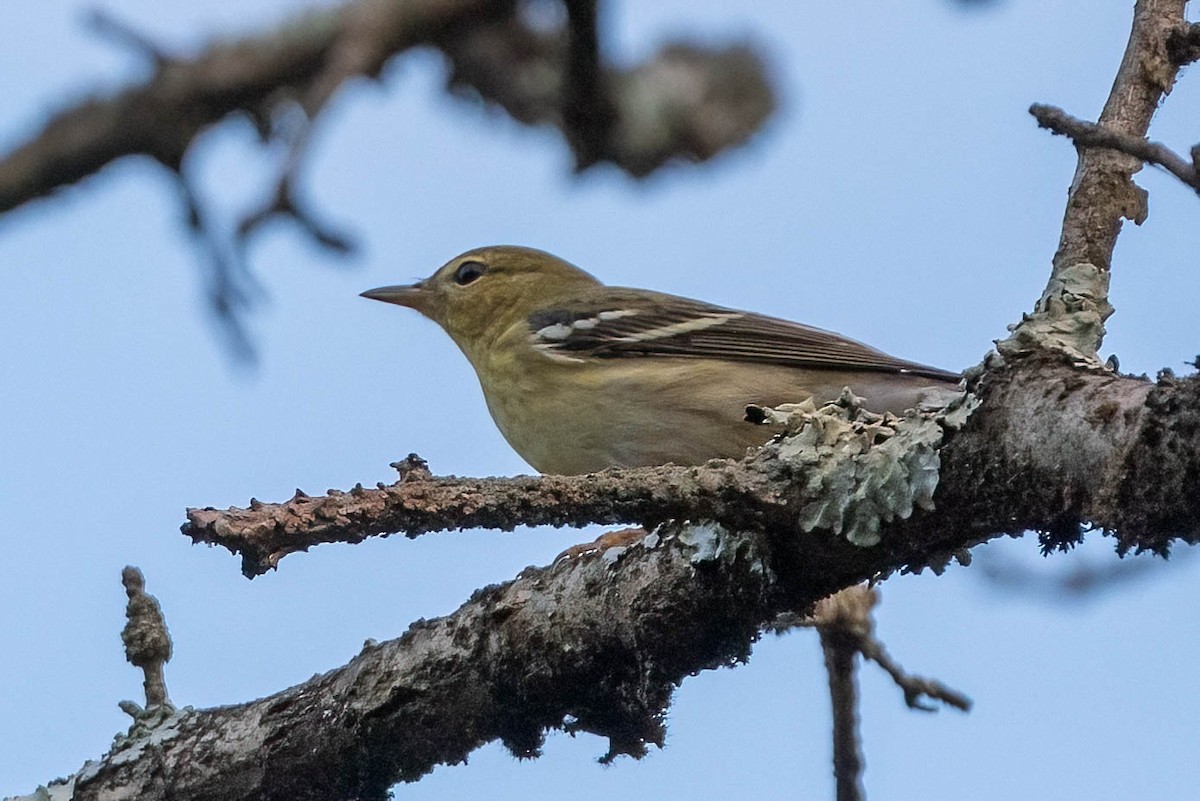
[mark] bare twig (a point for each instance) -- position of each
(1112, 452)
(843, 692)
(840, 621)
(849, 613)
(846, 626)
(1087, 134)
(915, 687)
(264, 533)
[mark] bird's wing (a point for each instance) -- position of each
(616, 323)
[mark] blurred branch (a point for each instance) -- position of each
(491, 48)
(1079, 579)
(587, 114)
(685, 103)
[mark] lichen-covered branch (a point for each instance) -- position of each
(595, 644)
(847, 471)
(1069, 317)
(1050, 449)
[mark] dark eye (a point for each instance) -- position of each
(468, 272)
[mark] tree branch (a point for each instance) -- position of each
(1050, 449)
(1069, 317)
(594, 644)
(1086, 134)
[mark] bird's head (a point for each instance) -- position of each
(483, 292)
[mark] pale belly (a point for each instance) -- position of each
(696, 414)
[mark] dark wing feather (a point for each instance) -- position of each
(613, 323)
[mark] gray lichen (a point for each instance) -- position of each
(707, 539)
(858, 469)
(57, 790)
(1068, 318)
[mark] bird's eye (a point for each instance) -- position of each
(468, 272)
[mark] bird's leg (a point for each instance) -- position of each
(624, 538)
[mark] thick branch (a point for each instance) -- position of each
(596, 644)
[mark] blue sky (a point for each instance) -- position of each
(902, 196)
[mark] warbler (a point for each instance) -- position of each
(580, 376)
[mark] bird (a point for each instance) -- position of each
(580, 376)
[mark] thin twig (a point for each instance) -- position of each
(840, 653)
(147, 642)
(915, 687)
(232, 285)
(843, 691)
(1088, 134)
(104, 23)
(850, 614)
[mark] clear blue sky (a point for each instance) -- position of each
(902, 196)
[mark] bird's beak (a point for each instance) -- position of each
(414, 296)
